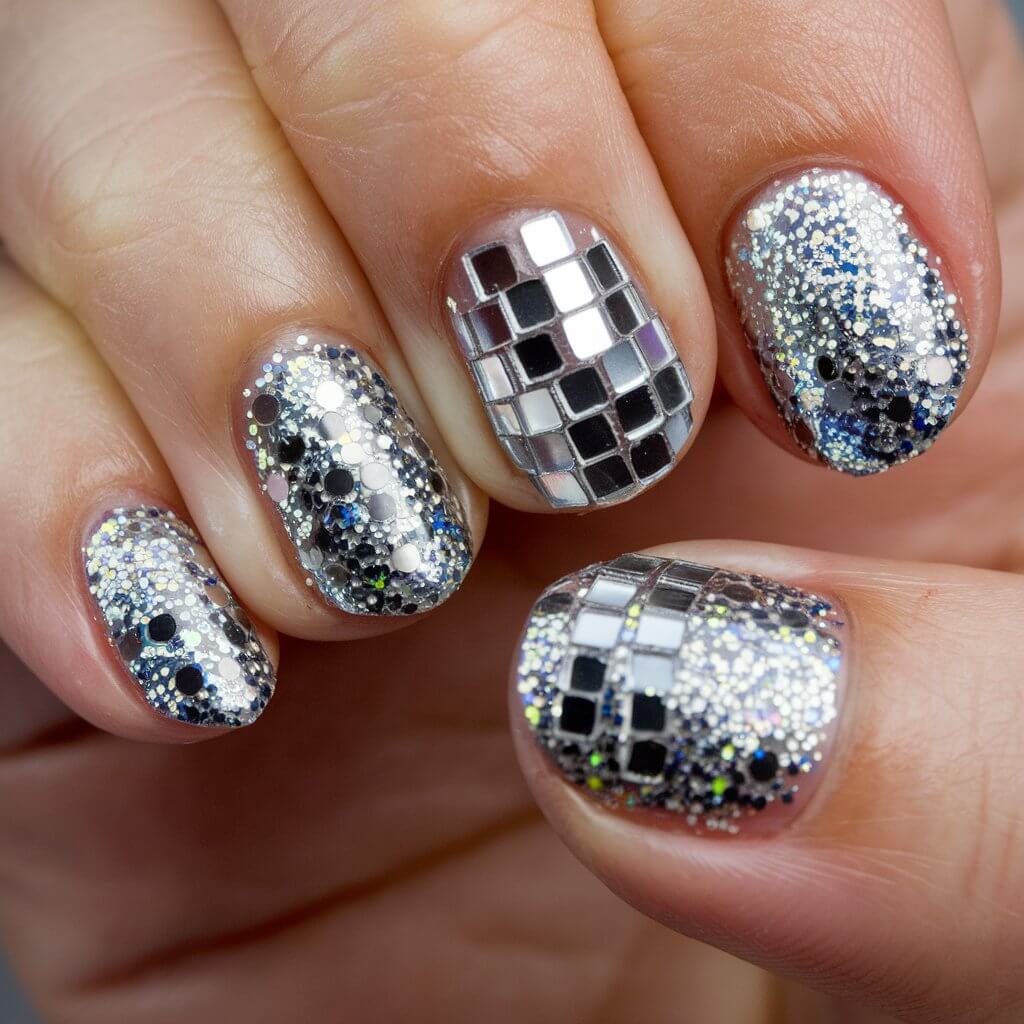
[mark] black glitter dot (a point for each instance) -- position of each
(265, 409)
(437, 483)
(900, 409)
(339, 482)
(763, 766)
(162, 628)
(291, 450)
(189, 680)
(827, 368)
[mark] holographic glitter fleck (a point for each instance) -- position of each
(659, 683)
(579, 377)
(169, 614)
(859, 340)
(370, 511)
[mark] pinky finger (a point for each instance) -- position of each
(106, 592)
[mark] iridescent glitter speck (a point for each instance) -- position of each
(369, 509)
(659, 683)
(171, 617)
(859, 339)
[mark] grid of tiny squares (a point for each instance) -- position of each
(648, 597)
(580, 378)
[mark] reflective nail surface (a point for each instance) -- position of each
(167, 611)
(657, 683)
(361, 496)
(578, 375)
(859, 338)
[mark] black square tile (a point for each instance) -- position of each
(642, 564)
(603, 266)
(690, 572)
(592, 437)
(538, 356)
(489, 325)
(650, 455)
(670, 388)
(608, 476)
(636, 408)
(587, 674)
(622, 311)
(494, 269)
(578, 715)
(583, 390)
(672, 598)
(530, 304)
(647, 758)
(648, 714)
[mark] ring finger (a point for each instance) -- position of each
(154, 197)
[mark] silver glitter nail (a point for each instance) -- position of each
(578, 375)
(659, 683)
(859, 340)
(376, 525)
(169, 614)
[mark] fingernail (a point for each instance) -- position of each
(578, 375)
(858, 336)
(658, 683)
(168, 613)
(361, 496)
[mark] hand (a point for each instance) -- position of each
(368, 850)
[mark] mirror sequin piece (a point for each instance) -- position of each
(859, 339)
(169, 614)
(368, 507)
(663, 684)
(563, 348)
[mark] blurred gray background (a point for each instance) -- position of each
(13, 1007)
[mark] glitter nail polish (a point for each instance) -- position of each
(657, 683)
(374, 521)
(168, 613)
(578, 375)
(859, 338)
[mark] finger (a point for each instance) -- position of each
(145, 186)
(823, 785)
(558, 289)
(108, 595)
(848, 198)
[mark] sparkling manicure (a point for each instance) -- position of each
(663, 684)
(579, 377)
(168, 612)
(369, 509)
(859, 339)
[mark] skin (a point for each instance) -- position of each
(380, 854)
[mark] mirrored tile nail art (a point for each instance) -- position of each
(860, 341)
(368, 507)
(656, 683)
(172, 619)
(578, 375)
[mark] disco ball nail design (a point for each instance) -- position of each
(657, 683)
(860, 340)
(374, 521)
(579, 376)
(167, 611)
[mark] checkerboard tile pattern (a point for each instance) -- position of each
(664, 683)
(579, 376)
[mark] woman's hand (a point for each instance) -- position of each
(368, 849)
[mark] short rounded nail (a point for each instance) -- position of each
(166, 610)
(366, 505)
(579, 376)
(661, 684)
(859, 336)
